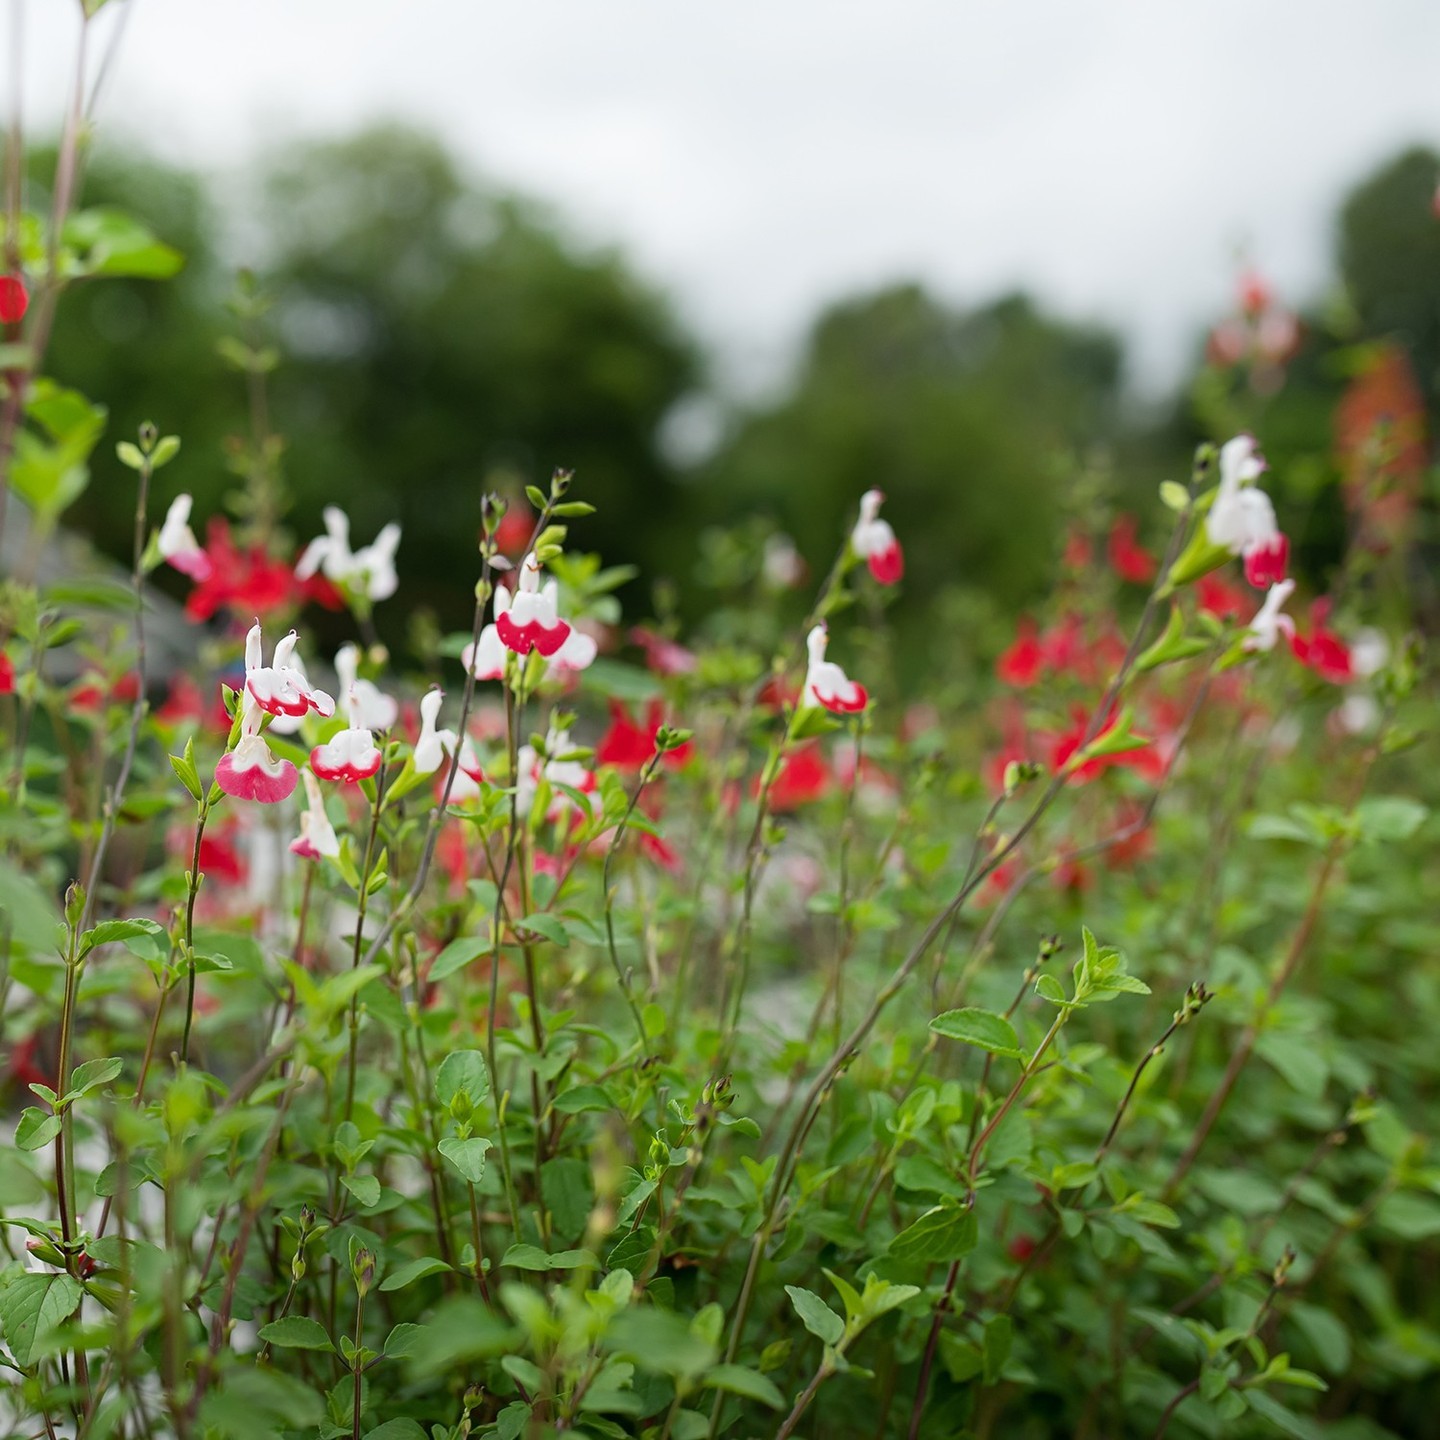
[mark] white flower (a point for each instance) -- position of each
(369, 571)
(1269, 624)
(177, 543)
(826, 683)
(365, 703)
(433, 745)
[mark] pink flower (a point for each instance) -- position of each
(250, 771)
(826, 683)
(664, 657)
(874, 541)
(317, 835)
(177, 543)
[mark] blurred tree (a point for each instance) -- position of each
(435, 339)
(967, 421)
(442, 339)
(1389, 254)
(146, 349)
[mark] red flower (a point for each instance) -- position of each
(628, 744)
(1219, 598)
(1323, 651)
(1128, 558)
(1022, 663)
(219, 858)
(1078, 551)
(7, 675)
(250, 582)
(14, 299)
(25, 1065)
(803, 777)
(91, 692)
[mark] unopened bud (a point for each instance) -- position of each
(148, 436)
(560, 483)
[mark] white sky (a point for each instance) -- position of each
(759, 157)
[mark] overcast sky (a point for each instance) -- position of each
(759, 157)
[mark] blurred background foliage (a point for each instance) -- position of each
(432, 337)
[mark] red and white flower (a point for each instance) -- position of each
(874, 541)
(317, 835)
(365, 703)
(178, 545)
(369, 571)
(281, 688)
(529, 619)
(350, 754)
(486, 659)
(433, 745)
(250, 771)
(1269, 623)
(826, 683)
(469, 776)
(1242, 519)
(577, 653)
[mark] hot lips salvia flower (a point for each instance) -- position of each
(826, 683)
(1242, 519)
(874, 541)
(250, 771)
(529, 619)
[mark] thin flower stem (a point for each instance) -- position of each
(193, 889)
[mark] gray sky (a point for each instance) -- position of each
(759, 157)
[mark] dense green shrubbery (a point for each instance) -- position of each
(686, 1048)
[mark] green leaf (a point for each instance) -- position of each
(296, 1332)
(568, 1190)
(1047, 987)
(819, 1319)
(365, 1188)
(543, 923)
(32, 1306)
(1299, 1426)
(532, 1257)
(462, 1073)
(946, 1232)
(1389, 817)
(980, 1028)
(90, 1075)
(750, 1384)
(467, 1156)
(999, 1332)
(458, 954)
(1173, 644)
(113, 243)
(36, 1128)
(582, 1098)
(145, 938)
(398, 1429)
(415, 1270)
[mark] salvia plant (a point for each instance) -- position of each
(515, 1038)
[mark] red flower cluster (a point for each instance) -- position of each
(1063, 649)
(628, 744)
(251, 582)
(1128, 558)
